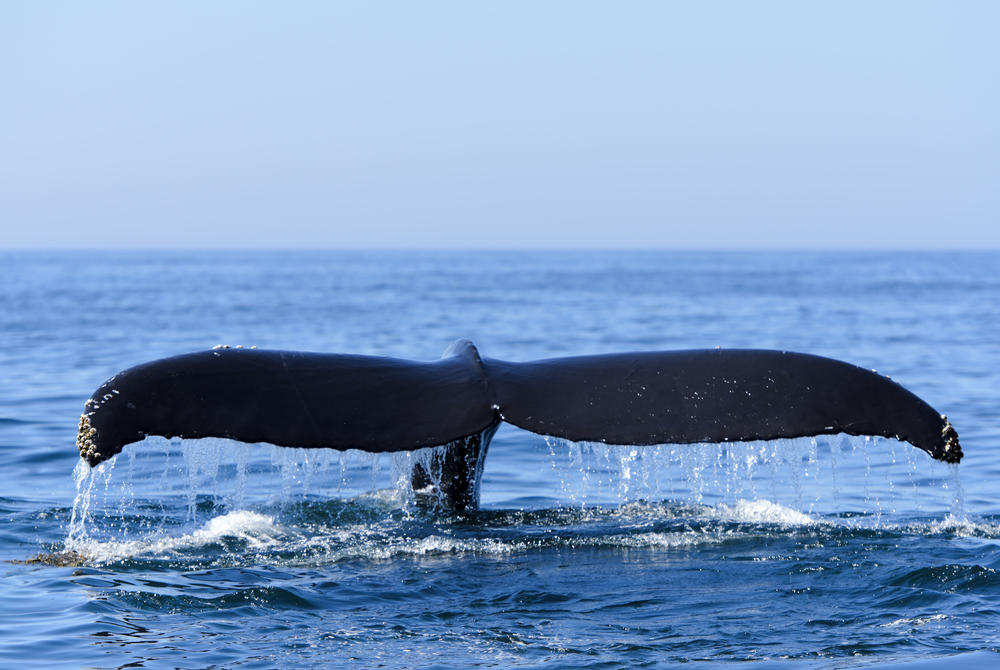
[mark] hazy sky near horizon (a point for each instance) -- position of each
(500, 124)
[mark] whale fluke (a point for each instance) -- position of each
(378, 404)
(713, 395)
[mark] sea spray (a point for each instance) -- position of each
(83, 478)
(803, 474)
(954, 484)
(222, 475)
(182, 478)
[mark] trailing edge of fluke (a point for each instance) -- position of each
(378, 404)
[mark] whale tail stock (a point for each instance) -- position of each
(378, 404)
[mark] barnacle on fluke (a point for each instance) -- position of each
(952, 450)
(378, 404)
(85, 436)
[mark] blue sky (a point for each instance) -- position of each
(500, 124)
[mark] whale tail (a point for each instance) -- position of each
(378, 404)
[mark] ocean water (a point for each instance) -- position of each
(837, 552)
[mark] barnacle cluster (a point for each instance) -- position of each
(86, 433)
(85, 438)
(952, 452)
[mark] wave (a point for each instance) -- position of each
(335, 532)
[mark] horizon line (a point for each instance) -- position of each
(480, 249)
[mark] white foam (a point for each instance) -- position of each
(914, 621)
(433, 545)
(442, 545)
(655, 540)
(962, 526)
(362, 544)
(761, 511)
(257, 530)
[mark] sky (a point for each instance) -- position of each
(541, 124)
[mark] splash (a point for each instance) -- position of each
(762, 511)
(835, 476)
(169, 497)
(209, 476)
(254, 531)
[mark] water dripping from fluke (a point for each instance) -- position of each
(177, 488)
(227, 498)
(810, 475)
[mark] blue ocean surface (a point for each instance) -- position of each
(835, 552)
